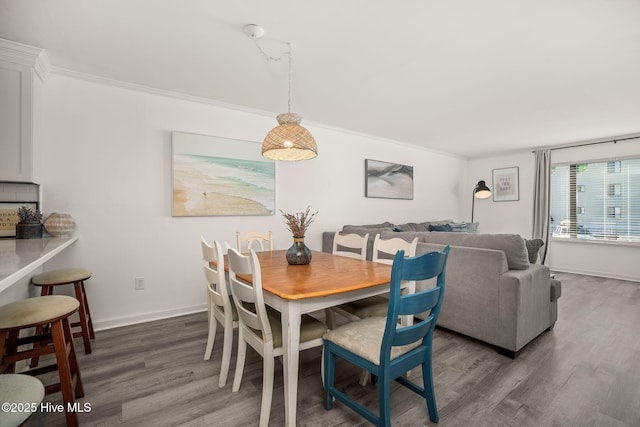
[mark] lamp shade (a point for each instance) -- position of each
(481, 191)
(289, 140)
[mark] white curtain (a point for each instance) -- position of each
(541, 192)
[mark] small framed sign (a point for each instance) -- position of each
(9, 216)
(505, 184)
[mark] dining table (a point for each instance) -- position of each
(294, 290)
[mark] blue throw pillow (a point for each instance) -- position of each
(443, 227)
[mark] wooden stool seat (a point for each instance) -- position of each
(36, 311)
(21, 390)
(53, 313)
(75, 277)
(64, 276)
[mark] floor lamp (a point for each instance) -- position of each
(481, 191)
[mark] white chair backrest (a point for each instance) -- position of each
(350, 241)
(390, 247)
(254, 237)
(216, 282)
(249, 299)
(208, 253)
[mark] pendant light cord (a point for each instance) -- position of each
(290, 73)
(268, 57)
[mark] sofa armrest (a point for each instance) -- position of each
(526, 304)
(327, 241)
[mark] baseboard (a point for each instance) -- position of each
(607, 275)
(146, 317)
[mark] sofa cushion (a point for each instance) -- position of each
(422, 226)
(512, 245)
(533, 248)
(361, 231)
(405, 235)
(384, 225)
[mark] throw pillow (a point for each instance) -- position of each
(458, 227)
(443, 227)
(533, 248)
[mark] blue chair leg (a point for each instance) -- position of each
(384, 388)
(329, 370)
(429, 392)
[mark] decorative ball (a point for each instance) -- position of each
(60, 224)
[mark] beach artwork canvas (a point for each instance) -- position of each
(388, 180)
(220, 176)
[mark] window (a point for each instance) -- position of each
(596, 201)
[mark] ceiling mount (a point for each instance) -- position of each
(254, 31)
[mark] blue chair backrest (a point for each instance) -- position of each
(422, 267)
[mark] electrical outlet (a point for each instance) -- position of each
(139, 283)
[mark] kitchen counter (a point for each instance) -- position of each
(20, 257)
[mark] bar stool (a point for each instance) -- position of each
(76, 276)
(53, 311)
(23, 391)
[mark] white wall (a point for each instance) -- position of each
(502, 217)
(582, 257)
(105, 158)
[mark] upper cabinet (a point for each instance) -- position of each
(22, 71)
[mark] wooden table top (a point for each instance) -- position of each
(326, 275)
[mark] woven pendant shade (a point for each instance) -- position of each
(289, 140)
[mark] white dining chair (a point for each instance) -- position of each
(220, 306)
(261, 328)
(254, 238)
(350, 246)
(383, 252)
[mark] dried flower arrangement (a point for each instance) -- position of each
(29, 216)
(299, 222)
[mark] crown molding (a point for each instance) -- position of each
(26, 55)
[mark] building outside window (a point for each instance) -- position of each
(597, 201)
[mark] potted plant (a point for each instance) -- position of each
(29, 224)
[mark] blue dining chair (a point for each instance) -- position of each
(386, 350)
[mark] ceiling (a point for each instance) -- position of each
(465, 77)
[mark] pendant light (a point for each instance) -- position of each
(287, 141)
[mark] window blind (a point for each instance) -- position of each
(596, 200)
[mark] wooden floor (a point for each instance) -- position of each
(586, 372)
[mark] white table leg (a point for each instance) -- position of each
(290, 318)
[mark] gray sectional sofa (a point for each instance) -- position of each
(493, 292)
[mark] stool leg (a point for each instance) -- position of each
(8, 345)
(84, 325)
(64, 371)
(73, 359)
(92, 334)
(44, 291)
